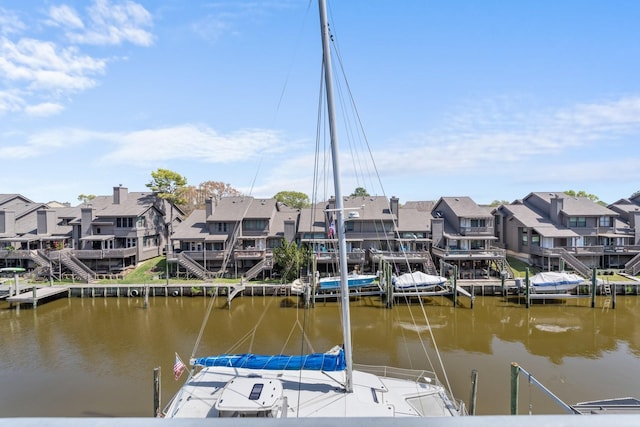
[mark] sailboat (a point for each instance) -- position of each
(314, 385)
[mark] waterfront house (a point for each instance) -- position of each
(104, 238)
(463, 236)
(555, 231)
(233, 237)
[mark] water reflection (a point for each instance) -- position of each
(95, 357)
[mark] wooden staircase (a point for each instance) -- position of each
(575, 263)
(632, 268)
(192, 266)
(265, 264)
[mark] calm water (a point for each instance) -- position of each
(95, 357)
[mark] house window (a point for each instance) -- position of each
(577, 221)
(524, 237)
(605, 221)
(477, 223)
(130, 242)
(221, 227)
(124, 222)
(254, 224)
(535, 239)
(141, 222)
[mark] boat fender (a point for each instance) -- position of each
(133, 293)
(175, 293)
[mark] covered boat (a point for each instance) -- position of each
(418, 281)
(555, 282)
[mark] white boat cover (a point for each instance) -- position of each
(418, 279)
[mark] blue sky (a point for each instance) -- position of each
(487, 99)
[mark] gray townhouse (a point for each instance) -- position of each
(103, 238)
(554, 231)
(232, 238)
(463, 236)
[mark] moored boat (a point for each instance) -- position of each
(555, 282)
(418, 281)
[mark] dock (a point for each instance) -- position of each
(38, 295)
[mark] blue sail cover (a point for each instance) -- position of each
(314, 361)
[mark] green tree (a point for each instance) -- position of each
(293, 199)
(360, 192)
(86, 198)
(582, 193)
(168, 185)
(290, 258)
(499, 202)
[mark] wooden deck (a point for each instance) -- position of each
(37, 295)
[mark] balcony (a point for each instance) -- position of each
(476, 231)
(462, 254)
(249, 254)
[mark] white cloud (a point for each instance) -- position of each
(484, 138)
(42, 65)
(10, 23)
(65, 16)
(114, 23)
(191, 142)
(10, 102)
(44, 109)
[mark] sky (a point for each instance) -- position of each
(487, 99)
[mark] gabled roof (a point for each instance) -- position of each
(280, 217)
(532, 219)
(194, 227)
(575, 206)
(414, 219)
(369, 208)
(232, 209)
(134, 204)
(464, 207)
(7, 200)
(312, 220)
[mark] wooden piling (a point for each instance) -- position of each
(157, 410)
(474, 392)
(526, 286)
(515, 370)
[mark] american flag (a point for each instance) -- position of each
(178, 368)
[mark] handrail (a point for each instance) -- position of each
(515, 371)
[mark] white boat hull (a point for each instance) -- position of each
(310, 393)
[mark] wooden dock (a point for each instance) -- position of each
(37, 295)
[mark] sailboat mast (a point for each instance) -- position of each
(342, 244)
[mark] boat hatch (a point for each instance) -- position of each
(247, 397)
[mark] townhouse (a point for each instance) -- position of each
(235, 236)
(103, 238)
(554, 231)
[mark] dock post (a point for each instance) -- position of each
(146, 296)
(613, 297)
(526, 286)
(515, 370)
(156, 392)
(474, 392)
(593, 288)
(503, 276)
(455, 285)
